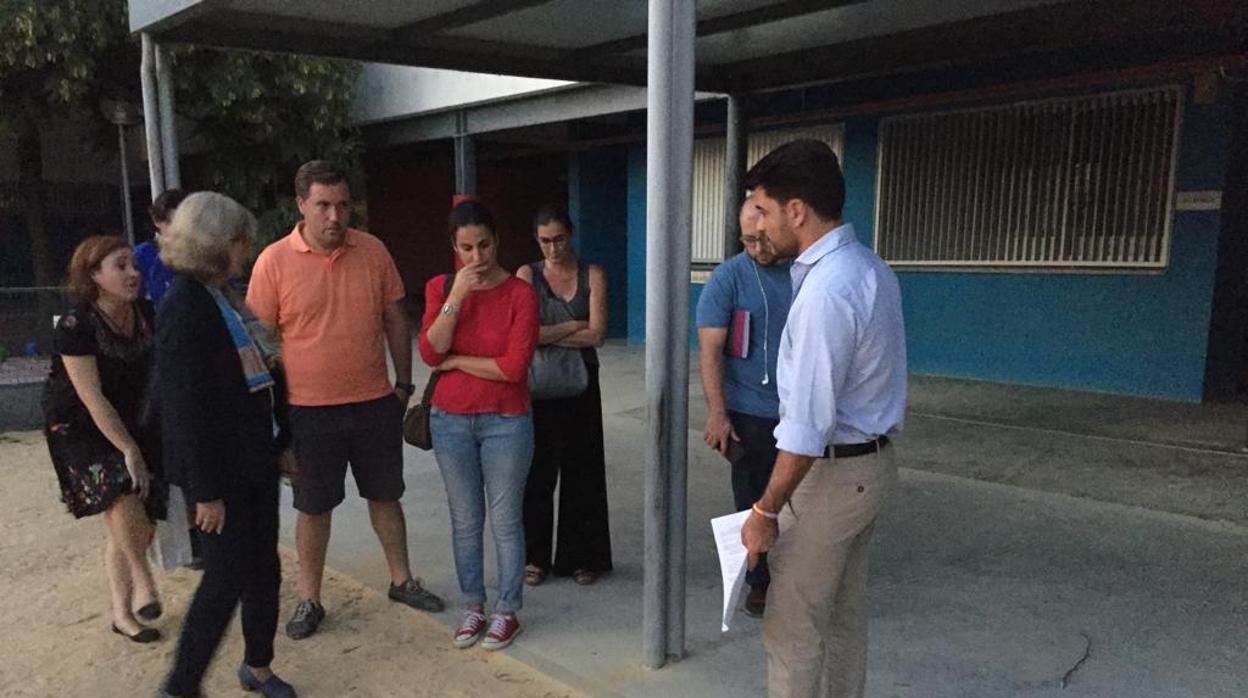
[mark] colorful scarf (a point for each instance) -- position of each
(255, 348)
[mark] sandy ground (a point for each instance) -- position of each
(55, 606)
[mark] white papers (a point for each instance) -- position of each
(171, 546)
(732, 558)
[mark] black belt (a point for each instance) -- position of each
(852, 450)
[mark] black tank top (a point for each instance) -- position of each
(577, 307)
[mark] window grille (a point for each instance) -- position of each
(708, 182)
(1083, 182)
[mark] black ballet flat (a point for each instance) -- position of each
(150, 611)
(144, 636)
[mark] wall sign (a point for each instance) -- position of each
(1210, 200)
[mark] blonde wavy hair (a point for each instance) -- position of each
(204, 226)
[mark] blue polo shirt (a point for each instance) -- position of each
(740, 283)
(156, 276)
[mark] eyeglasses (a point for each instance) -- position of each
(752, 240)
(556, 241)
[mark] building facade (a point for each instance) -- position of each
(1070, 220)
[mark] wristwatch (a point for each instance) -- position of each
(405, 387)
(448, 309)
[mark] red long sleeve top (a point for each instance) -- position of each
(499, 323)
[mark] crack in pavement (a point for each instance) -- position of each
(1087, 652)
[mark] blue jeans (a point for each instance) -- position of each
(484, 459)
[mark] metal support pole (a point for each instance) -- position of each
(168, 126)
(684, 24)
(735, 153)
(465, 158)
(125, 184)
(669, 216)
(151, 117)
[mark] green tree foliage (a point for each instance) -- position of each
(50, 64)
(51, 55)
(257, 117)
(254, 117)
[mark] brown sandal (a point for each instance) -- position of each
(585, 577)
(534, 575)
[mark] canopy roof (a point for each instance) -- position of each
(742, 45)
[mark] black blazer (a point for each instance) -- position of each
(217, 435)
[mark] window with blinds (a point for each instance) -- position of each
(1070, 183)
(708, 182)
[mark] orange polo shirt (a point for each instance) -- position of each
(327, 309)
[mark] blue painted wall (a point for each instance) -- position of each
(1133, 333)
(1143, 334)
(597, 204)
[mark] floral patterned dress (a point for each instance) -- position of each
(91, 471)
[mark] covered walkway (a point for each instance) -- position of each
(674, 47)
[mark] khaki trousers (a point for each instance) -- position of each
(815, 626)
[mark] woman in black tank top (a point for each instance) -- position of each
(567, 431)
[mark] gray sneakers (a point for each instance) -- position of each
(414, 594)
(309, 614)
(307, 618)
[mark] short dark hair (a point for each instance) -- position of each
(552, 213)
(804, 169)
(466, 213)
(317, 172)
(86, 260)
(162, 208)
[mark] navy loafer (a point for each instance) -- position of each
(274, 687)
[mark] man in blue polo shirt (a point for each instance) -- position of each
(740, 319)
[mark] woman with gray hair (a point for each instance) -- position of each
(220, 388)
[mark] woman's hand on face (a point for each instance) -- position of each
(137, 468)
(470, 278)
(210, 516)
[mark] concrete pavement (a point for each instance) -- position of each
(979, 588)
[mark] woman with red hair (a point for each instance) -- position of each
(94, 404)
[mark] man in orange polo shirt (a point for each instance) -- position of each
(332, 294)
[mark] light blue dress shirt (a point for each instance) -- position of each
(842, 365)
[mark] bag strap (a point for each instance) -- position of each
(448, 281)
(539, 276)
(427, 398)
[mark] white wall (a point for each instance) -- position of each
(384, 92)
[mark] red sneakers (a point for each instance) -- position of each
(470, 629)
(503, 629)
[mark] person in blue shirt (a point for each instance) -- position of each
(156, 276)
(738, 367)
(155, 279)
(841, 374)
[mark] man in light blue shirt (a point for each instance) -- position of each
(740, 318)
(842, 389)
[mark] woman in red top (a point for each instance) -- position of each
(479, 331)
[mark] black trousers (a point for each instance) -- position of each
(750, 472)
(567, 450)
(240, 564)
